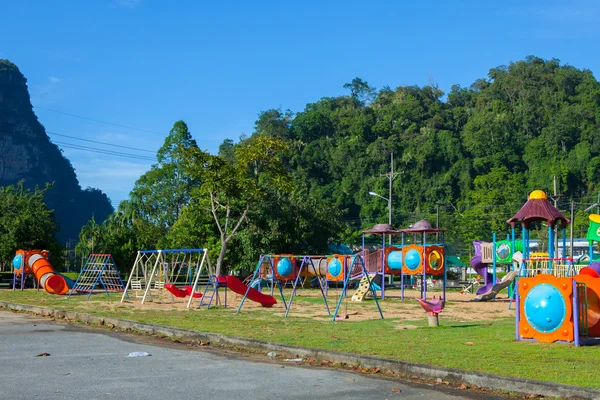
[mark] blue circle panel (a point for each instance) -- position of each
(412, 259)
(545, 308)
(17, 261)
(395, 260)
(334, 267)
(284, 267)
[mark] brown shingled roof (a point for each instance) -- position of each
(538, 210)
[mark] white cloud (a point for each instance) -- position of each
(127, 3)
(54, 79)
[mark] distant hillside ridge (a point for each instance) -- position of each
(27, 154)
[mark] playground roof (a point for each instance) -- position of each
(454, 261)
(419, 227)
(422, 227)
(382, 228)
(538, 208)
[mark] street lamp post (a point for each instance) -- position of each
(389, 205)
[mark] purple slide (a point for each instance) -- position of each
(481, 269)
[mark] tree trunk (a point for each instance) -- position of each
(219, 265)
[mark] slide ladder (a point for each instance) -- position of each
(211, 290)
(363, 288)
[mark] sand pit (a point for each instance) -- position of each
(308, 303)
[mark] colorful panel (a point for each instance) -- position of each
(285, 268)
(336, 268)
(412, 261)
(393, 260)
(435, 260)
(546, 312)
(590, 304)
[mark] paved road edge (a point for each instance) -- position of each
(455, 376)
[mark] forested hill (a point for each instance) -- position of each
(474, 152)
(27, 154)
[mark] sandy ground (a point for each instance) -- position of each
(308, 303)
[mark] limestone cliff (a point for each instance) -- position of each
(26, 153)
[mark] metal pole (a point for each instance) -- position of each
(555, 243)
(402, 270)
(494, 258)
(390, 194)
(572, 223)
(382, 266)
(424, 265)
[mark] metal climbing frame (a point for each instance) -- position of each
(99, 270)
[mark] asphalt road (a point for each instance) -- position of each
(93, 364)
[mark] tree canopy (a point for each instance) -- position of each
(26, 223)
(301, 180)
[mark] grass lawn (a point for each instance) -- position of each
(485, 346)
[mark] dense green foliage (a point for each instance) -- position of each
(476, 153)
(26, 223)
(473, 154)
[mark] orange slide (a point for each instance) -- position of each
(36, 262)
(238, 287)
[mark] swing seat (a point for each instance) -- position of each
(136, 285)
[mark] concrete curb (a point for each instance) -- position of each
(454, 376)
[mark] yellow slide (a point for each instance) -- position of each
(363, 288)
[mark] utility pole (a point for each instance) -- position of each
(572, 223)
(555, 198)
(437, 222)
(391, 176)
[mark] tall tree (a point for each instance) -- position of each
(161, 193)
(26, 223)
(231, 190)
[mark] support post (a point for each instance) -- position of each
(494, 258)
(424, 262)
(572, 223)
(445, 269)
(575, 314)
(382, 266)
(402, 271)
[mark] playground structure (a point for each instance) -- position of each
(154, 269)
(415, 256)
(555, 301)
(497, 252)
(36, 262)
(99, 270)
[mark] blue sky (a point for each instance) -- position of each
(145, 64)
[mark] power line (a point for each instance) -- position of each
(99, 121)
(113, 124)
(98, 142)
(101, 151)
(91, 141)
(88, 149)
